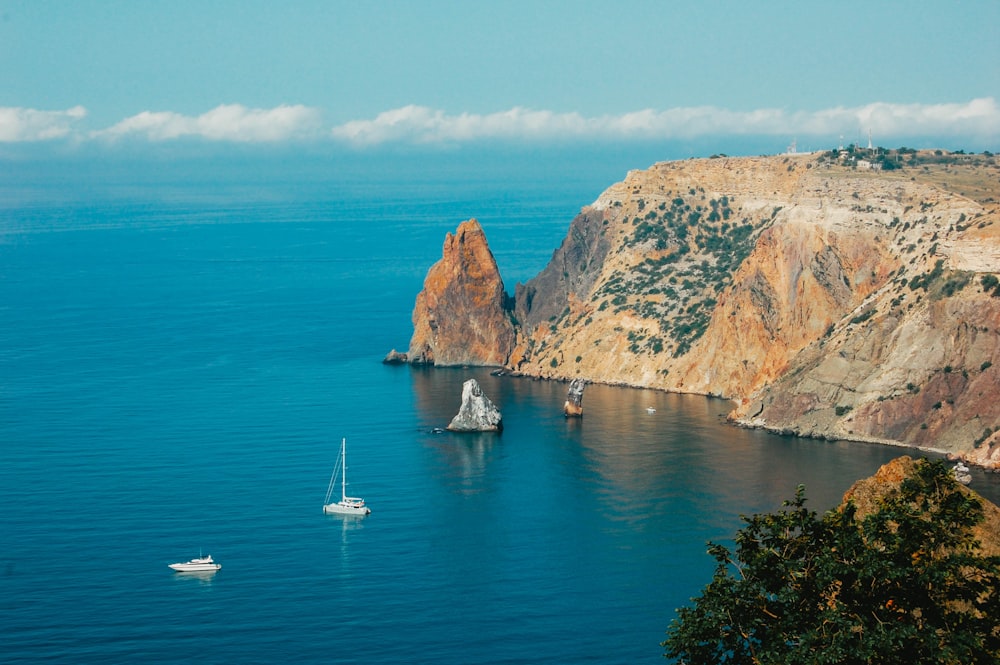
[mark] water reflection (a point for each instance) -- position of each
(203, 577)
(467, 455)
(639, 452)
(345, 528)
(438, 393)
(686, 454)
(346, 523)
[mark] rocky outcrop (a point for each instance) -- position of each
(462, 315)
(961, 473)
(574, 269)
(574, 398)
(477, 413)
(866, 495)
(394, 357)
(823, 300)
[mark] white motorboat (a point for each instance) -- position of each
(199, 565)
(348, 505)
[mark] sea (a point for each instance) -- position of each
(180, 359)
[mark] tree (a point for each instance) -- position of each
(905, 583)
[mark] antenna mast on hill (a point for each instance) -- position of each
(870, 139)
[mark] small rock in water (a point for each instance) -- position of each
(477, 413)
(394, 357)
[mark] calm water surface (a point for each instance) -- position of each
(177, 370)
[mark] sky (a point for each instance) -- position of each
(332, 77)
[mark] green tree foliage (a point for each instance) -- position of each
(905, 584)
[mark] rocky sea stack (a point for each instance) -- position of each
(573, 408)
(477, 413)
(462, 316)
(825, 297)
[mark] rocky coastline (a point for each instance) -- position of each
(823, 300)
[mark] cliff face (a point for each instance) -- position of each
(924, 376)
(825, 301)
(461, 316)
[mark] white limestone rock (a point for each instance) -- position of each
(477, 413)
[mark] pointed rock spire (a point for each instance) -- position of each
(477, 413)
(463, 315)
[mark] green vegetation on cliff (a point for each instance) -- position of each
(906, 583)
(693, 247)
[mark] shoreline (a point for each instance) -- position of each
(501, 371)
(749, 424)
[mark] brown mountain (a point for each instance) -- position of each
(824, 299)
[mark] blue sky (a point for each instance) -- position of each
(356, 76)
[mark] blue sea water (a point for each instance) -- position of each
(178, 364)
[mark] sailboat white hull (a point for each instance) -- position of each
(341, 508)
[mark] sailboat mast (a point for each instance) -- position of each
(343, 475)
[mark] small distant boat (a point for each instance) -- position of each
(650, 409)
(198, 565)
(348, 505)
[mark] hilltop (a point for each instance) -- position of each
(824, 299)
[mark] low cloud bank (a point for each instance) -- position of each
(229, 122)
(418, 124)
(22, 125)
(977, 120)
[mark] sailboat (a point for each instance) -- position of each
(348, 505)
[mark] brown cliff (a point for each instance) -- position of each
(461, 316)
(824, 300)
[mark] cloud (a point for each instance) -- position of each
(228, 122)
(422, 125)
(419, 124)
(977, 120)
(20, 124)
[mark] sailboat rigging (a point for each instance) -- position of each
(348, 505)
